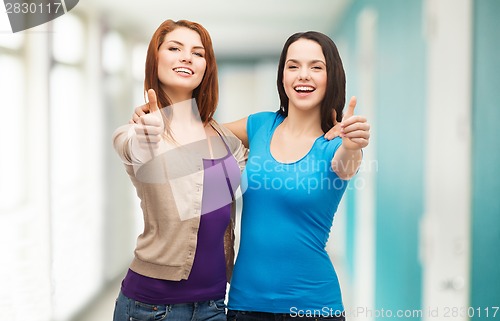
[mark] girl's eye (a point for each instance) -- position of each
(317, 67)
(199, 54)
(173, 49)
(292, 67)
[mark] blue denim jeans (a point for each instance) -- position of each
(130, 310)
(234, 315)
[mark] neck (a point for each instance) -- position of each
(301, 123)
(182, 110)
(186, 125)
(185, 113)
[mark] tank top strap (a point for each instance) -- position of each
(222, 137)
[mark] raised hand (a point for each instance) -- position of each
(149, 129)
(335, 130)
(354, 129)
(140, 111)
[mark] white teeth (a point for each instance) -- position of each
(184, 70)
(303, 88)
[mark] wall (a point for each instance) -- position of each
(485, 227)
(397, 106)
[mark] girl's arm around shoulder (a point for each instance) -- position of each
(245, 127)
(239, 151)
(239, 129)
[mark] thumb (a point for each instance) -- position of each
(154, 109)
(350, 108)
(334, 116)
(152, 101)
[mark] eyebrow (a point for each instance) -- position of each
(181, 44)
(312, 62)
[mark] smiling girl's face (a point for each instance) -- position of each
(304, 75)
(181, 62)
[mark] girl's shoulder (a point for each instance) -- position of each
(231, 140)
(264, 116)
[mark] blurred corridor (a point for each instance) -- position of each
(417, 236)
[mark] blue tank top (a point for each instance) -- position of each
(288, 211)
(207, 280)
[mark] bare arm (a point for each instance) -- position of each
(239, 129)
(346, 162)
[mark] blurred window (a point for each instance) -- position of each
(75, 154)
(68, 44)
(12, 130)
(113, 52)
(11, 41)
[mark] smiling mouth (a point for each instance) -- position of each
(304, 89)
(185, 71)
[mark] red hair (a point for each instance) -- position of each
(206, 94)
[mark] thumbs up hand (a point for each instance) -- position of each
(148, 130)
(150, 127)
(335, 130)
(141, 110)
(354, 129)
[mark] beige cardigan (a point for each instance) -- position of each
(171, 205)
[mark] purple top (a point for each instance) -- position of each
(207, 280)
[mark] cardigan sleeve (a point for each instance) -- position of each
(121, 143)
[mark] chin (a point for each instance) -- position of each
(303, 107)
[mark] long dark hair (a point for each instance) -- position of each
(335, 93)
